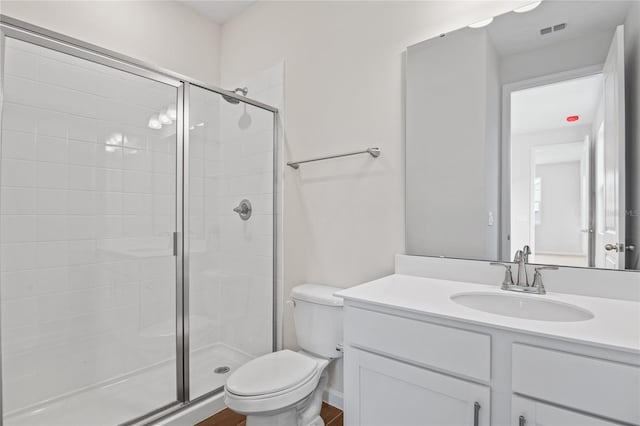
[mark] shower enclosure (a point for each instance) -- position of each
(129, 286)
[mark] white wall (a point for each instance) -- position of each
(559, 228)
(163, 33)
(632, 76)
(492, 155)
(570, 55)
(343, 91)
(452, 145)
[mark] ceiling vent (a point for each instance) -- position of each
(560, 27)
(552, 29)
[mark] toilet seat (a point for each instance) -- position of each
(271, 374)
(273, 382)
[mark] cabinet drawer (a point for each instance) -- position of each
(536, 413)
(445, 348)
(588, 384)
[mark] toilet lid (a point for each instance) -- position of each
(271, 373)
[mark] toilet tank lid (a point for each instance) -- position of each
(316, 293)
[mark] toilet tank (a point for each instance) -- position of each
(317, 316)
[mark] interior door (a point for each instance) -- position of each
(614, 127)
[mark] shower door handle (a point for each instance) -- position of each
(175, 243)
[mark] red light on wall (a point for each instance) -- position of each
(573, 118)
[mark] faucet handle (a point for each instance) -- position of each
(540, 268)
(518, 256)
(508, 276)
(537, 278)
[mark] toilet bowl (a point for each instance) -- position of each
(285, 388)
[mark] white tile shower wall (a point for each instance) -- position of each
(247, 247)
(231, 159)
(204, 163)
(87, 206)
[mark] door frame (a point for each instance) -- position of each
(23, 31)
(505, 147)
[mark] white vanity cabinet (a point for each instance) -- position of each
(385, 392)
(404, 368)
(395, 372)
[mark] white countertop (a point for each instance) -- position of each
(615, 325)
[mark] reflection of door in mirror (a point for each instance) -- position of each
(551, 131)
(614, 154)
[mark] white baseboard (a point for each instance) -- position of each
(334, 397)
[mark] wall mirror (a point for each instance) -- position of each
(523, 130)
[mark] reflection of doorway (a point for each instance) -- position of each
(552, 126)
(560, 204)
(581, 104)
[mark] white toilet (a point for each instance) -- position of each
(285, 388)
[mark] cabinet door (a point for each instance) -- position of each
(383, 392)
(527, 412)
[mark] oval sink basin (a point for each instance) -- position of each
(522, 307)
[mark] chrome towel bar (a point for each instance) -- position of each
(374, 152)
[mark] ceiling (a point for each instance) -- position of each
(219, 11)
(547, 107)
(517, 32)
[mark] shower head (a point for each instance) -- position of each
(239, 90)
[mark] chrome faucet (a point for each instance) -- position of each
(522, 258)
(522, 281)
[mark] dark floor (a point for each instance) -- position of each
(331, 415)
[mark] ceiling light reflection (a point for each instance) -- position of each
(171, 112)
(154, 123)
(164, 119)
(482, 23)
(528, 7)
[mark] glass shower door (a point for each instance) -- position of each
(231, 233)
(88, 215)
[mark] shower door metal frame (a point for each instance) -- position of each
(2, 47)
(23, 31)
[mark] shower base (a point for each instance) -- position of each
(133, 395)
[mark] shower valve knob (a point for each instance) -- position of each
(244, 209)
